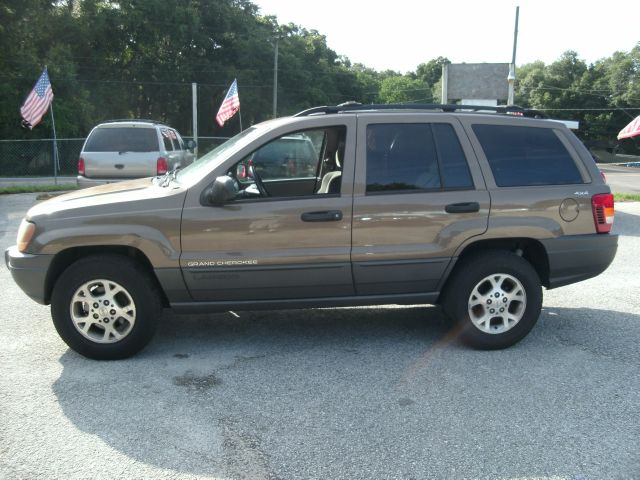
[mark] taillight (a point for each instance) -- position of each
(161, 166)
(603, 211)
(81, 166)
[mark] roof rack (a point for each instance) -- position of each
(352, 106)
(141, 120)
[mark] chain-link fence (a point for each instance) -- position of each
(34, 158)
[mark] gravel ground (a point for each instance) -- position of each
(355, 393)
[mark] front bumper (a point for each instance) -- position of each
(29, 272)
(578, 257)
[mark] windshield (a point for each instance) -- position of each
(210, 160)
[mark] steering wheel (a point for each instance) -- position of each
(258, 181)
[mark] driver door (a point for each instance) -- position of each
(292, 243)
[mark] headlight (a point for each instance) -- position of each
(25, 233)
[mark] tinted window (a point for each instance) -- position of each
(453, 163)
(122, 139)
(526, 156)
(401, 157)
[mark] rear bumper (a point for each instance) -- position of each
(29, 272)
(578, 257)
(84, 182)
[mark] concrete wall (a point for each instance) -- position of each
(476, 81)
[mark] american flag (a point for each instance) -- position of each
(230, 104)
(38, 101)
(630, 130)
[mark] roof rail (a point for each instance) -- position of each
(351, 106)
(141, 120)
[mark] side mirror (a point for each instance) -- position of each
(222, 191)
(191, 145)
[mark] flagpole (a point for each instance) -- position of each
(240, 116)
(56, 166)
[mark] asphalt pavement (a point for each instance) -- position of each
(622, 179)
(352, 393)
(24, 181)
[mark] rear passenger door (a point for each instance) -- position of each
(419, 194)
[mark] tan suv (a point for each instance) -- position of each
(402, 204)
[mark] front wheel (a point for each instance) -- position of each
(495, 298)
(105, 307)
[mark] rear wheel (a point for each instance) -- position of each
(495, 297)
(105, 307)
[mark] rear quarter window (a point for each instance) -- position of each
(122, 139)
(526, 156)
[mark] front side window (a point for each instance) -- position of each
(179, 143)
(414, 157)
(300, 163)
(291, 156)
(526, 156)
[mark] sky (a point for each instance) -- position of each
(401, 34)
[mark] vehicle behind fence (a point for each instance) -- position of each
(34, 158)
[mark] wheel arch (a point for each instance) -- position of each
(528, 248)
(63, 259)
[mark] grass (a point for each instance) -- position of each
(37, 188)
(626, 197)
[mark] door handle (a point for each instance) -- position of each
(324, 216)
(466, 207)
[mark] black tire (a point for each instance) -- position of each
(506, 269)
(140, 295)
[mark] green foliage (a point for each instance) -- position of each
(65, 187)
(598, 95)
(138, 58)
(401, 89)
(626, 197)
(431, 72)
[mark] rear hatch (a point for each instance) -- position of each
(121, 152)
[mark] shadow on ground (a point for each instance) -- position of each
(360, 393)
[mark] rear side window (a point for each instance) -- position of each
(122, 139)
(420, 156)
(526, 156)
(170, 139)
(453, 163)
(167, 143)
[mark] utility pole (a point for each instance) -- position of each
(511, 78)
(275, 80)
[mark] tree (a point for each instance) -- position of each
(402, 89)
